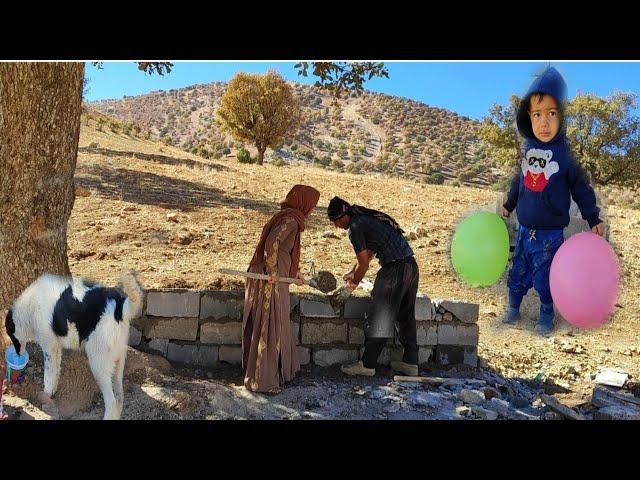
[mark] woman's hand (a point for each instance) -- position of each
(349, 275)
(300, 278)
(273, 279)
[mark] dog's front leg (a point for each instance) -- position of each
(52, 360)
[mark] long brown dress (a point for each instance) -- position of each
(269, 352)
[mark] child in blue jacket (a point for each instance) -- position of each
(542, 193)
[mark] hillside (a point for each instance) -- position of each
(370, 133)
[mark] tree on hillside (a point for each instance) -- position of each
(605, 135)
(341, 78)
(499, 130)
(40, 109)
(261, 109)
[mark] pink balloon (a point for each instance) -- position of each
(584, 280)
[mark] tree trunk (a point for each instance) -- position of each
(40, 107)
(261, 151)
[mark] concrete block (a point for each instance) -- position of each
(316, 308)
(177, 328)
(315, 332)
(356, 307)
(198, 355)
(226, 333)
(427, 333)
(325, 358)
(425, 309)
(173, 303)
(465, 312)
(230, 354)
(456, 333)
(135, 336)
(221, 305)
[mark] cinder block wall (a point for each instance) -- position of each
(203, 328)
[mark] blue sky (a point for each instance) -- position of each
(467, 88)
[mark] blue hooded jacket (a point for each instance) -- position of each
(549, 175)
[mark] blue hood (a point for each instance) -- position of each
(550, 82)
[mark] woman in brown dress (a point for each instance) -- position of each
(269, 353)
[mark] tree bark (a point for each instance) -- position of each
(40, 107)
(261, 151)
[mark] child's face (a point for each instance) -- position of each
(545, 117)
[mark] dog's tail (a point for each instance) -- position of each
(135, 296)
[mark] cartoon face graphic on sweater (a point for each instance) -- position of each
(537, 168)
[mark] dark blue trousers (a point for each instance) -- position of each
(531, 264)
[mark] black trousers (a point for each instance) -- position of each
(393, 306)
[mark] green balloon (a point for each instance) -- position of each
(480, 249)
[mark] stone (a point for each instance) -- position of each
(484, 413)
(465, 312)
(425, 310)
(325, 358)
(356, 334)
(315, 333)
(316, 308)
(617, 412)
(553, 416)
(230, 354)
(173, 304)
(458, 334)
(199, 355)
(490, 392)
(221, 305)
(135, 336)
(474, 397)
(158, 345)
(463, 411)
(427, 333)
(171, 328)
(456, 354)
(498, 405)
(425, 399)
(228, 333)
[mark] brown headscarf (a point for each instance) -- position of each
(299, 202)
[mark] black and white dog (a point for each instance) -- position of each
(60, 312)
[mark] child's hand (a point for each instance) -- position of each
(599, 229)
(505, 212)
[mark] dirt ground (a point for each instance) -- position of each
(177, 218)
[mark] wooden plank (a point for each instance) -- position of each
(557, 407)
(436, 381)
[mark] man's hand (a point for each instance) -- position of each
(351, 285)
(348, 276)
(505, 212)
(599, 229)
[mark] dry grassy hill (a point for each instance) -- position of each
(177, 218)
(371, 133)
